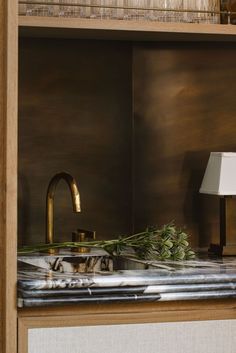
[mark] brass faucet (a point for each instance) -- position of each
(50, 202)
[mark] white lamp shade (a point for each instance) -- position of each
(220, 174)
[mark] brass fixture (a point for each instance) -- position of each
(50, 202)
(82, 235)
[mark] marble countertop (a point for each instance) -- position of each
(39, 285)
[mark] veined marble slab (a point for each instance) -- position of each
(31, 280)
(30, 302)
(224, 294)
(83, 292)
(69, 261)
(158, 289)
(54, 301)
(169, 280)
(126, 297)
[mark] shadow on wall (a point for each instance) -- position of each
(198, 209)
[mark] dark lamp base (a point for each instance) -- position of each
(219, 250)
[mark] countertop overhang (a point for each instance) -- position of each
(199, 279)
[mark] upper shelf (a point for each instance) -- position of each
(32, 26)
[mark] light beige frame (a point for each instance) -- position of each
(127, 30)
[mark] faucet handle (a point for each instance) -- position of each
(81, 235)
(87, 234)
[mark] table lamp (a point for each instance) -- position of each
(220, 179)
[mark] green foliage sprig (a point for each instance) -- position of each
(167, 243)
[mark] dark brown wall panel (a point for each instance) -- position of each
(184, 108)
(75, 115)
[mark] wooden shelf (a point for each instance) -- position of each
(30, 26)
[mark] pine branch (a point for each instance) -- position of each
(152, 244)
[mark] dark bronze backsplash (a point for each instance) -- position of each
(75, 115)
(137, 139)
(184, 108)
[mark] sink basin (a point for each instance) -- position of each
(98, 260)
(67, 262)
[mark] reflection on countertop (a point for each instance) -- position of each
(130, 280)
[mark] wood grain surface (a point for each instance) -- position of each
(35, 26)
(184, 108)
(75, 115)
(83, 121)
(8, 175)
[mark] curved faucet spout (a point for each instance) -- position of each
(50, 201)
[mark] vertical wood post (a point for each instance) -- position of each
(8, 174)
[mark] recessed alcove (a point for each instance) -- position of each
(133, 122)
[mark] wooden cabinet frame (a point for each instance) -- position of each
(110, 314)
(31, 26)
(8, 174)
